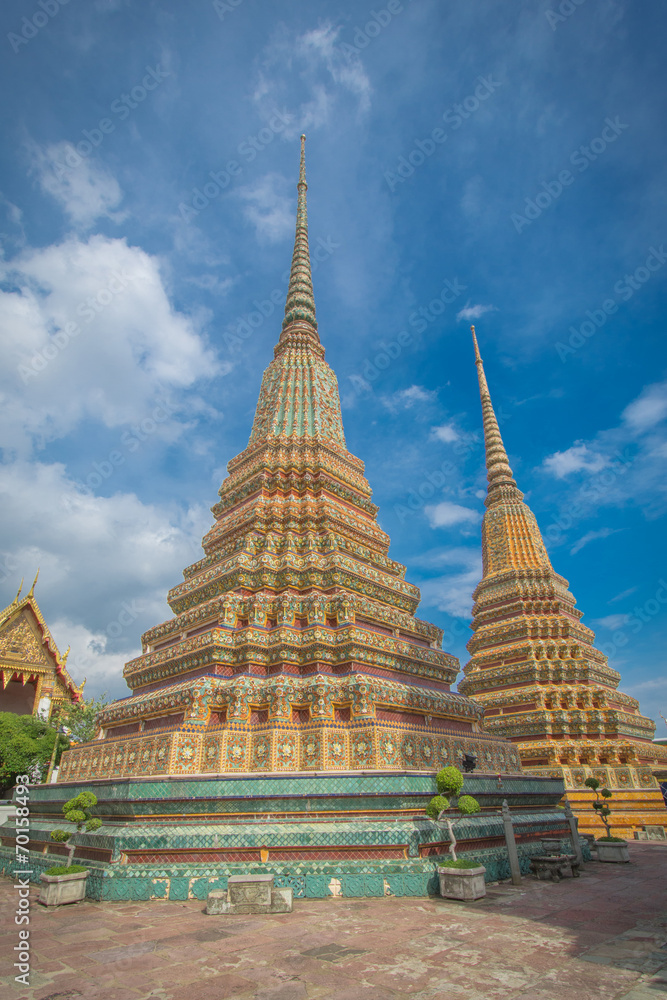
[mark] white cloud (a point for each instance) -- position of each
(345, 69)
(448, 514)
(269, 210)
(649, 409)
(405, 399)
(316, 63)
(140, 549)
(453, 593)
(90, 333)
(592, 536)
(84, 189)
(446, 433)
(622, 595)
(612, 622)
(474, 312)
(578, 458)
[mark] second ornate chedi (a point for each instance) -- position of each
(535, 669)
(294, 644)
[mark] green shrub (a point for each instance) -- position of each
(449, 781)
(601, 806)
(610, 840)
(77, 812)
(436, 806)
(65, 870)
(459, 863)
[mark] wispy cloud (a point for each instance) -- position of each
(85, 191)
(612, 622)
(405, 399)
(649, 409)
(623, 595)
(474, 312)
(592, 536)
(446, 433)
(268, 208)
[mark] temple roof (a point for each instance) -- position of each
(27, 646)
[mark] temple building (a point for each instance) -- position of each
(534, 668)
(294, 644)
(34, 675)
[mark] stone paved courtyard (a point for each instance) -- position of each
(601, 937)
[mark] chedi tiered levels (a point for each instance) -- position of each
(534, 667)
(294, 645)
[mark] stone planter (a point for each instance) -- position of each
(59, 889)
(614, 852)
(462, 883)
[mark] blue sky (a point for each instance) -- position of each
(495, 161)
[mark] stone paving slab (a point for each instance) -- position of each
(603, 937)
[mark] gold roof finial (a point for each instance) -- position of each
(18, 592)
(31, 592)
(498, 469)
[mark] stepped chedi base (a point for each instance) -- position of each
(294, 644)
(536, 672)
(289, 719)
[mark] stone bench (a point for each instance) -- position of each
(555, 867)
(250, 894)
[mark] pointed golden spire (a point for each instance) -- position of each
(18, 592)
(300, 303)
(498, 471)
(31, 592)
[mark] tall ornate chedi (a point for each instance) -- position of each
(534, 667)
(294, 644)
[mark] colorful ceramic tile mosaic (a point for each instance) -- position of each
(294, 643)
(534, 667)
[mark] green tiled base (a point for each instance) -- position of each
(338, 829)
(321, 879)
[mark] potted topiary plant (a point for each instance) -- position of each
(614, 849)
(67, 883)
(459, 879)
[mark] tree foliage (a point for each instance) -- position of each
(601, 806)
(80, 720)
(26, 745)
(449, 781)
(78, 812)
